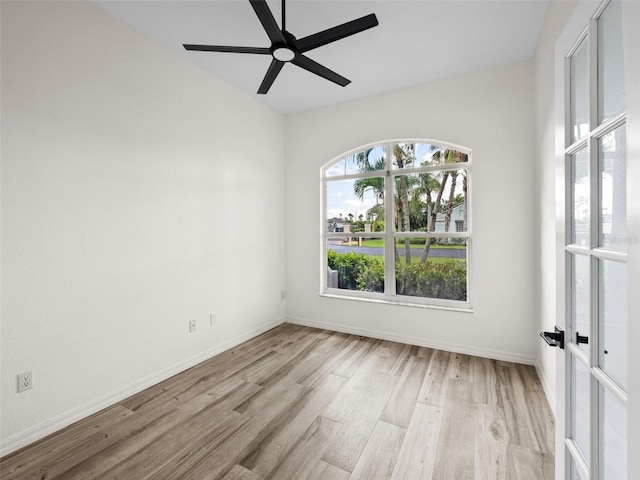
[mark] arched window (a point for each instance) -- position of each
(396, 223)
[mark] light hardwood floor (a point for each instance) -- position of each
(302, 403)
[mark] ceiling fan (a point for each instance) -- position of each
(287, 48)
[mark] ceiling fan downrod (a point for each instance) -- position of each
(284, 21)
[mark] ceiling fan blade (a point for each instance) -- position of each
(268, 22)
(336, 33)
(272, 73)
(314, 67)
(222, 48)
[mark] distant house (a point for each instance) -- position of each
(457, 220)
(335, 224)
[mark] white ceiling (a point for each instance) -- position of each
(416, 41)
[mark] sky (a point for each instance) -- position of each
(342, 200)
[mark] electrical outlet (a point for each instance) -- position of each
(25, 381)
(212, 319)
(192, 326)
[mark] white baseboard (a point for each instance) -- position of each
(421, 342)
(548, 391)
(21, 439)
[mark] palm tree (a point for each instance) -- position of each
(449, 209)
(403, 157)
(421, 194)
(445, 157)
(376, 184)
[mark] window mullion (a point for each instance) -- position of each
(389, 239)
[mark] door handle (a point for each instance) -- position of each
(555, 338)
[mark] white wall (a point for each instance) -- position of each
(490, 112)
(138, 192)
(557, 15)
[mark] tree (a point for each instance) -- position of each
(375, 184)
(403, 157)
(421, 199)
(376, 216)
(449, 209)
(445, 157)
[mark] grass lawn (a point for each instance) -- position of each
(379, 243)
(462, 261)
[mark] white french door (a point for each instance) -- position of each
(592, 245)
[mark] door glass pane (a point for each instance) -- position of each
(580, 288)
(614, 437)
(613, 320)
(579, 92)
(610, 63)
(575, 472)
(612, 151)
(434, 270)
(355, 264)
(580, 198)
(580, 406)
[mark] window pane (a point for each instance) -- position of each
(614, 441)
(404, 156)
(610, 63)
(580, 298)
(337, 168)
(431, 270)
(369, 160)
(613, 189)
(580, 198)
(366, 161)
(355, 205)
(613, 320)
(579, 93)
(425, 155)
(431, 201)
(580, 402)
(355, 264)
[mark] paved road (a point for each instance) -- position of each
(415, 252)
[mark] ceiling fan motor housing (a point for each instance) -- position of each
(284, 52)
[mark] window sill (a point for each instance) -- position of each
(462, 309)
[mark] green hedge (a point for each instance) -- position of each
(357, 271)
(445, 279)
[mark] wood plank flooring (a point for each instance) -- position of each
(302, 403)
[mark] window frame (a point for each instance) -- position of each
(389, 173)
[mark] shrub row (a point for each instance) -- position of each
(357, 271)
(445, 279)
